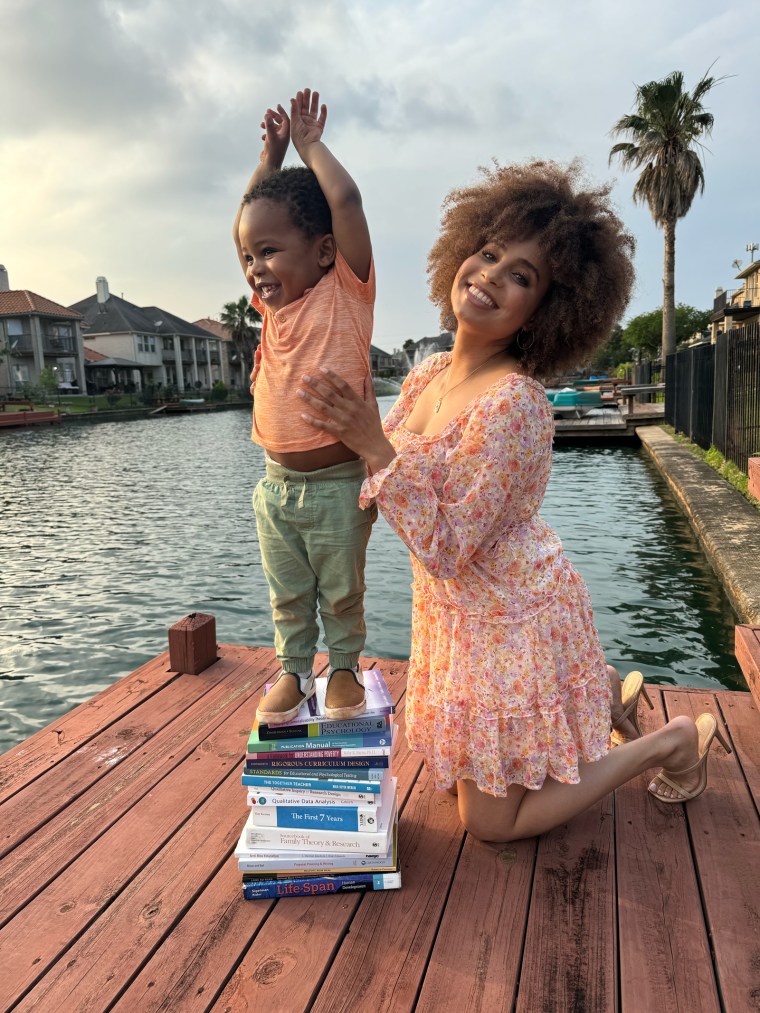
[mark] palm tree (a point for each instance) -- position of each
(242, 321)
(665, 130)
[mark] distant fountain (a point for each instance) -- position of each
(386, 388)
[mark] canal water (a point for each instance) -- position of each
(112, 532)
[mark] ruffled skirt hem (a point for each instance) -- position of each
(512, 704)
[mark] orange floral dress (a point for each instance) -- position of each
(507, 681)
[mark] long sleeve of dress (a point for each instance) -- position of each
(491, 479)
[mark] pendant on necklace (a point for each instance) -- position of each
(437, 406)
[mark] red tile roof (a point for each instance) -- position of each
(217, 328)
(90, 355)
(23, 302)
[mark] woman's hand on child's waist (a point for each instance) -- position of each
(354, 421)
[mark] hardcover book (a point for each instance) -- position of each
(316, 817)
(314, 782)
(278, 761)
(298, 863)
(346, 752)
(268, 797)
(350, 842)
(311, 886)
(258, 745)
(318, 729)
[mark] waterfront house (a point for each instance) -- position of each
(382, 362)
(148, 346)
(35, 334)
(738, 307)
(233, 371)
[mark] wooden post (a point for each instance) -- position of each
(747, 648)
(192, 643)
(753, 470)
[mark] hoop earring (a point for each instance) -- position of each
(524, 342)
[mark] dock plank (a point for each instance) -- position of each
(101, 962)
(660, 922)
(380, 963)
(21, 764)
(476, 959)
(719, 818)
(129, 897)
(218, 928)
(75, 898)
(574, 962)
(42, 856)
(59, 787)
(747, 647)
(742, 718)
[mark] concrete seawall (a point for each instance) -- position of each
(726, 525)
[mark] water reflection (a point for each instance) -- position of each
(657, 602)
(112, 532)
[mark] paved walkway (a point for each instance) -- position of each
(725, 523)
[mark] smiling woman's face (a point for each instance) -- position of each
(497, 290)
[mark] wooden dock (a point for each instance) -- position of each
(119, 890)
(607, 424)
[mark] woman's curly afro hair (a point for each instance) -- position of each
(585, 243)
(297, 188)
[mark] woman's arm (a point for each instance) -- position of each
(500, 464)
(502, 460)
(355, 422)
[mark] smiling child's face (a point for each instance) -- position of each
(281, 261)
(498, 289)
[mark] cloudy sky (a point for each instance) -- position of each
(128, 129)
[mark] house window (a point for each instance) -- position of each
(146, 343)
(167, 344)
(60, 331)
(20, 373)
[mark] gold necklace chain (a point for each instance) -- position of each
(437, 405)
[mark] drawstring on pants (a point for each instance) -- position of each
(284, 494)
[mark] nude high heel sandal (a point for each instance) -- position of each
(707, 727)
(631, 689)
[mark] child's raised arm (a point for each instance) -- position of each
(276, 138)
(307, 121)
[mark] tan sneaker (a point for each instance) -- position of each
(283, 701)
(345, 696)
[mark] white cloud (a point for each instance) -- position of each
(130, 128)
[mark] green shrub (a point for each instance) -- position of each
(219, 391)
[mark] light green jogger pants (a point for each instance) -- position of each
(313, 540)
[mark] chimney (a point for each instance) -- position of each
(4, 283)
(101, 287)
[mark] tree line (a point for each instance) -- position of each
(641, 337)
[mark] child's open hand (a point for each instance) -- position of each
(307, 120)
(276, 136)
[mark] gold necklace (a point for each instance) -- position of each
(437, 405)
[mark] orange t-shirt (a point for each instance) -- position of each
(330, 325)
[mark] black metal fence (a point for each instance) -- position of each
(712, 394)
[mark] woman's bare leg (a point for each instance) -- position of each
(525, 813)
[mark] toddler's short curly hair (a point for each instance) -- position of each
(586, 245)
(297, 188)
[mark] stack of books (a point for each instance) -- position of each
(322, 797)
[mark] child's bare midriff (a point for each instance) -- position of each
(314, 460)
